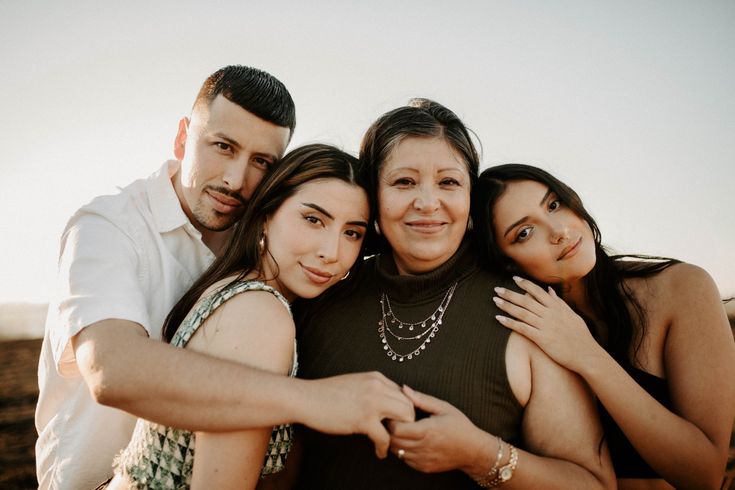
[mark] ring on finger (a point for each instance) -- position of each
(401, 453)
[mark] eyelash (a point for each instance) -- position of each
(356, 234)
(263, 162)
(406, 182)
(315, 220)
(222, 146)
(519, 239)
(403, 182)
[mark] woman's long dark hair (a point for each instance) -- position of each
(611, 300)
(242, 254)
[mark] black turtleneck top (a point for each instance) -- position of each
(463, 363)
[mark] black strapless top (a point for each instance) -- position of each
(626, 460)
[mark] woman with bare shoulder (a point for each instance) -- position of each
(649, 335)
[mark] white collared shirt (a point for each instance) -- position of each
(128, 256)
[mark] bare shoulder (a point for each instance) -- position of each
(674, 290)
(686, 278)
(680, 279)
(252, 307)
(252, 327)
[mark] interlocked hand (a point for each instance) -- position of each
(445, 440)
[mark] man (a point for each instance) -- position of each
(124, 262)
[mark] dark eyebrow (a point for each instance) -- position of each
(318, 208)
(326, 213)
(234, 143)
(543, 200)
(514, 225)
(358, 223)
(229, 140)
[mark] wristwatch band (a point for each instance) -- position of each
(505, 472)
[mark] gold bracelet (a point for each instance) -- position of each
(486, 480)
(505, 472)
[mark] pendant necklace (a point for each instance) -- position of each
(401, 331)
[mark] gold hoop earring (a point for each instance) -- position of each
(261, 244)
(345, 276)
(377, 227)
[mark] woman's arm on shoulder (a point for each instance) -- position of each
(688, 336)
(253, 328)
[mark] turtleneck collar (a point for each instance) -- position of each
(427, 286)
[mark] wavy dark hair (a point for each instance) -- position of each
(242, 254)
(623, 316)
(422, 118)
(254, 90)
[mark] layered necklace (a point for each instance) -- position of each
(400, 331)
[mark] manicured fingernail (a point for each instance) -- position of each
(499, 290)
(498, 301)
(501, 318)
(517, 279)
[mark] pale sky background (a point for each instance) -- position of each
(632, 103)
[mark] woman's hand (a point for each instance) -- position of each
(445, 440)
(548, 321)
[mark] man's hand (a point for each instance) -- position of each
(356, 404)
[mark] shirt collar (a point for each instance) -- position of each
(164, 202)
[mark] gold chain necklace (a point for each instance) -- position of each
(426, 329)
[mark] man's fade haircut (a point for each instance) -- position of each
(254, 90)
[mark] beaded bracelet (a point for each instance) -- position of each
(486, 481)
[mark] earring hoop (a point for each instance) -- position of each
(345, 276)
(377, 227)
(470, 224)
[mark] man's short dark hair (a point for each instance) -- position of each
(254, 90)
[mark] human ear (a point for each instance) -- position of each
(180, 140)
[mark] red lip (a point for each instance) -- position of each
(570, 250)
(317, 276)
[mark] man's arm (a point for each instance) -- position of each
(125, 369)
